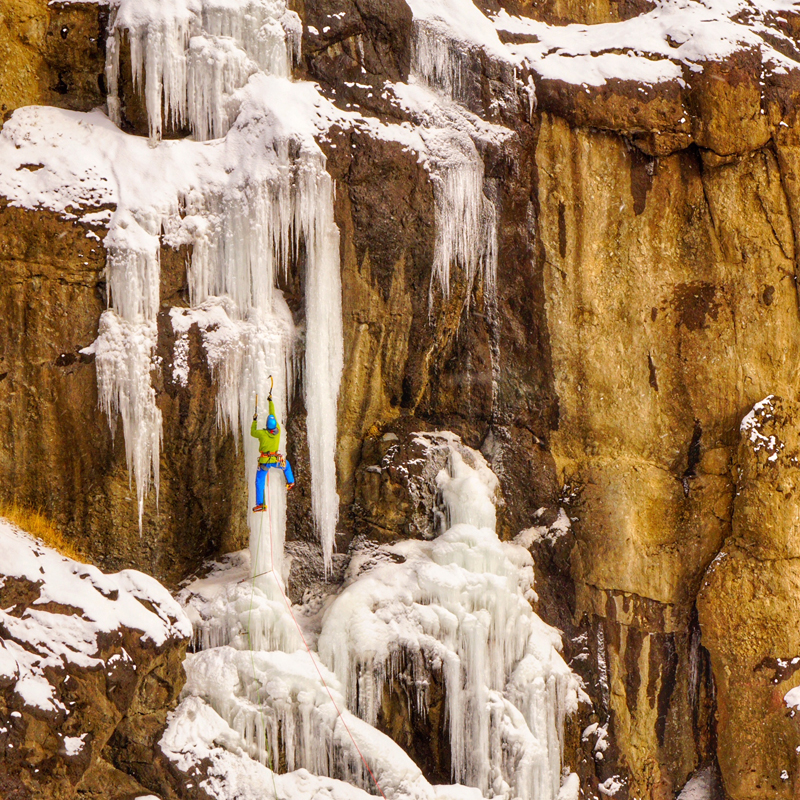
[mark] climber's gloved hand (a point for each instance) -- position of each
(269, 396)
(255, 416)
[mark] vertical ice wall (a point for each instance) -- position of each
(458, 606)
(206, 64)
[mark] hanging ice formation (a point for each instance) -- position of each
(466, 219)
(193, 55)
(221, 67)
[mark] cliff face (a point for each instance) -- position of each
(645, 299)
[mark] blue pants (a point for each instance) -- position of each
(261, 478)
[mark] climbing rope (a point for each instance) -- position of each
(271, 571)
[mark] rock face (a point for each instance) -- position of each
(91, 663)
(53, 54)
(645, 299)
(748, 613)
(661, 341)
(56, 449)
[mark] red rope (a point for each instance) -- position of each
(311, 655)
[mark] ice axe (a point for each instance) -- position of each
(271, 384)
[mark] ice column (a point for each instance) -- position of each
(324, 344)
(196, 57)
(258, 232)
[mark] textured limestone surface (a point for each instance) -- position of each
(672, 308)
(749, 614)
(52, 54)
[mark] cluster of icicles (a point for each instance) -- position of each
(197, 62)
(454, 610)
(196, 58)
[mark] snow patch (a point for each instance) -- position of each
(663, 45)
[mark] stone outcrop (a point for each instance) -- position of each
(98, 665)
(748, 610)
(52, 54)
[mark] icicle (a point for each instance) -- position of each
(324, 344)
(437, 60)
(195, 81)
(112, 70)
(126, 342)
(158, 32)
(124, 358)
(466, 220)
(216, 69)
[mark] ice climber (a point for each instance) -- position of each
(269, 440)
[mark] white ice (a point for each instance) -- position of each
(193, 55)
(445, 34)
(246, 204)
(457, 605)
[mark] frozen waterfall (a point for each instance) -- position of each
(222, 67)
(457, 605)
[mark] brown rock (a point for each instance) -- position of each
(748, 614)
(664, 288)
(56, 450)
(51, 54)
(109, 694)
